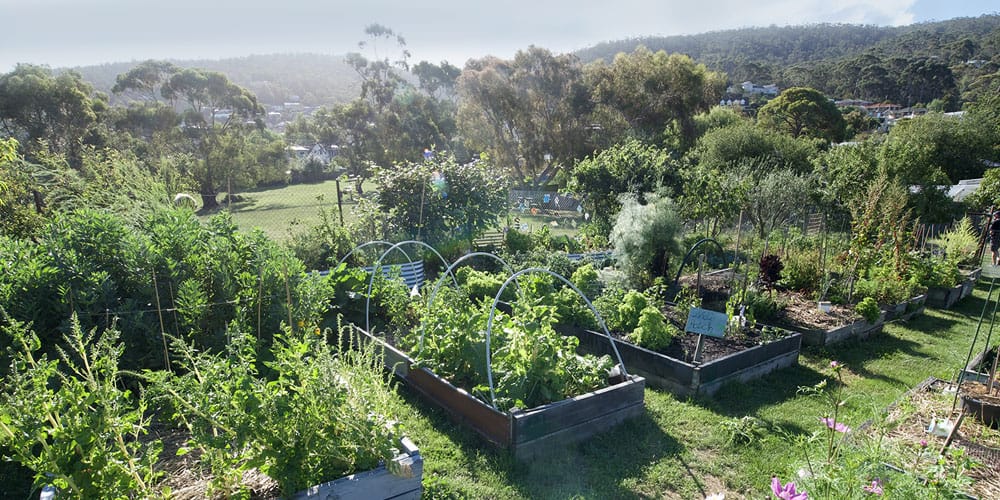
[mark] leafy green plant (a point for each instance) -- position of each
(802, 271)
(961, 242)
(630, 308)
(687, 298)
(868, 309)
(654, 331)
(70, 422)
(586, 279)
(532, 364)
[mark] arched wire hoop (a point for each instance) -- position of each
(693, 248)
(378, 266)
(489, 324)
(440, 281)
(368, 244)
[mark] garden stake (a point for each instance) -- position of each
(163, 333)
(954, 430)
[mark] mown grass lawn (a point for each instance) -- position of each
(678, 448)
(279, 211)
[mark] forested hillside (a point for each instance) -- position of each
(316, 79)
(906, 64)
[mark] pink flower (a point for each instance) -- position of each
(923, 443)
(834, 364)
(875, 488)
(833, 424)
(786, 492)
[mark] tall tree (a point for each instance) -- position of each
(216, 115)
(530, 113)
(655, 91)
(804, 112)
(380, 78)
(42, 111)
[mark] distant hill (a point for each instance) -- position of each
(831, 57)
(905, 64)
(316, 79)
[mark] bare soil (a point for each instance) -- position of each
(801, 311)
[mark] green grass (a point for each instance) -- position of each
(277, 211)
(678, 449)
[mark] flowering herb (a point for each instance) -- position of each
(837, 426)
(875, 488)
(786, 492)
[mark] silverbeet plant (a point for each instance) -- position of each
(532, 364)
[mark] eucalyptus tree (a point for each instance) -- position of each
(531, 114)
(804, 112)
(211, 129)
(51, 112)
(655, 92)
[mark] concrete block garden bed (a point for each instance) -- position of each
(683, 378)
(403, 482)
(525, 433)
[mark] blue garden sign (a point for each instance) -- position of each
(705, 322)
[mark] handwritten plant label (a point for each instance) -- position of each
(705, 322)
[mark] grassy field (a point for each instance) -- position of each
(279, 210)
(678, 448)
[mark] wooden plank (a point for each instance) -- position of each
(377, 483)
(743, 360)
(555, 441)
(552, 418)
(463, 407)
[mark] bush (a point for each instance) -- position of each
(802, 271)
(960, 243)
(645, 238)
(518, 242)
(868, 309)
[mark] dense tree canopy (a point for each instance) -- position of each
(655, 91)
(529, 113)
(803, 112)
(46, 111)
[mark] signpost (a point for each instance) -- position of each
(704, 322)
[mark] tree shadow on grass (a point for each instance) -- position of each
(601, 466)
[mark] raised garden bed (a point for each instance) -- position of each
(378, 483)
(530, 432)
(905, 311)
(858, 329)
(946, 297)
(736, 364)
(907, 421)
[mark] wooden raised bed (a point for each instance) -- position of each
(377, 483)
(945, 297)
(684, 378)
(859, 329)
(530, 432)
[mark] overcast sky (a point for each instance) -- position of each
(63, 33)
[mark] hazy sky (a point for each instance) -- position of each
(82, 32)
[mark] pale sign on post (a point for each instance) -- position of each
(705, 322)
